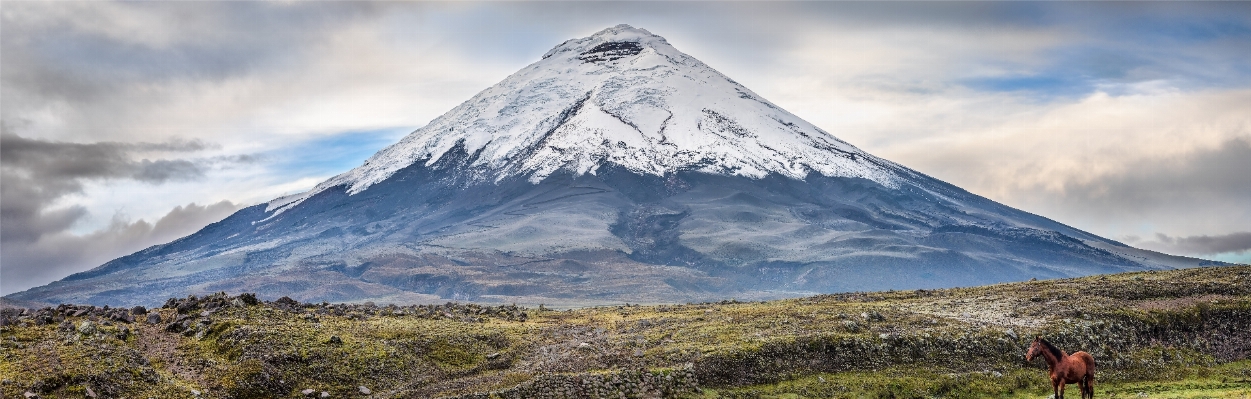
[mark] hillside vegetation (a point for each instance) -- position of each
(1184, 333)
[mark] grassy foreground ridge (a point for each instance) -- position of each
(1184, 333)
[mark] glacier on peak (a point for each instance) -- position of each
(621, 96)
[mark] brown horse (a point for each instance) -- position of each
(1078, 368)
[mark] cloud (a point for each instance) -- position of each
(59, 254)
(1237, 243)
(39, 245)
(43, 159)
(252, 75)
(37, 173)
(1129, 165)
(1150, 138)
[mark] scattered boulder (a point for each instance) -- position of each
(363, 390)
(154, 318)
(872, 316)
(851, 326)
(187, 305)
(248, 299)
(86, 327)
(287, 302)
(121, 317)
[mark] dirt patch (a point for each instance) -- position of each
(989, 311)
(161, 349)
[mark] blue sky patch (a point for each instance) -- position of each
(334, 154)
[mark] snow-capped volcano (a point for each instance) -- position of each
(622, 97)
(614, 169)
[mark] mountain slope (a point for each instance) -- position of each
(614, 169)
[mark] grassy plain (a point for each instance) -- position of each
(1183, 334)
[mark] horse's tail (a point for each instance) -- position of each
(1088, 388)
(1090, 365)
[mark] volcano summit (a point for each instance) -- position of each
(614, 169)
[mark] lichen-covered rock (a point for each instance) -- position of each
(86, 327)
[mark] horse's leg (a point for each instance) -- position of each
(1061, 389)
(1055, 389)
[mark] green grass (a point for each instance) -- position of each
(1225, 381)
(1162, 334)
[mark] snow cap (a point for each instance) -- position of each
(624, 97)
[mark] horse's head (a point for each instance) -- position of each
(1035, 349)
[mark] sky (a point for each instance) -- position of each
(130, 124)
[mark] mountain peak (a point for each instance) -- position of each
(622, 32)
(626, 97)
(620, 36)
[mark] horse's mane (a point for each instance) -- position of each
(1051, 348)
